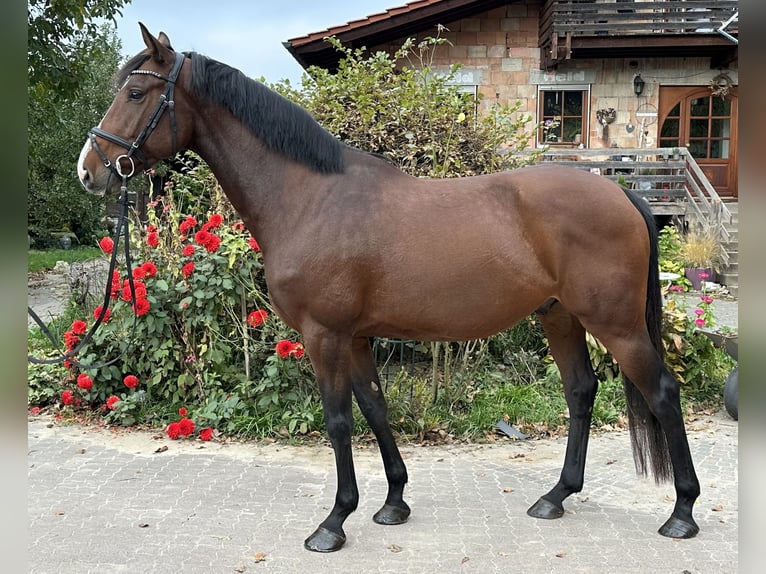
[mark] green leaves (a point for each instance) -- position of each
(407, 109)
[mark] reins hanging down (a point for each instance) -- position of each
(122, 227)
(116, 168)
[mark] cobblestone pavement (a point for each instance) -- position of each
(103, 501)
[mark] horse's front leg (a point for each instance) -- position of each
(372, 403)
(331, 358)
(566, 338)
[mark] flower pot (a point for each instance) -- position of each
(693, 275)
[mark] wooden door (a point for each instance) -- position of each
(691, 117)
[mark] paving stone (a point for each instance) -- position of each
(103, 502)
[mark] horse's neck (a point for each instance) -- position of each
(253, 177)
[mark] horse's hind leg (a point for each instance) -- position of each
(566, 337)
(372, 403)
(658, 402)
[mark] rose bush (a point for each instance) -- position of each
(195, 327)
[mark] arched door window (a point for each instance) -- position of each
(705, 124)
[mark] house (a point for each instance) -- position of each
(599, 73)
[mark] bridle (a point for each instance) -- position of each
(133, 149)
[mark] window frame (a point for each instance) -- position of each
(585, 90)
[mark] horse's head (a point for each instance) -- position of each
(147, 121)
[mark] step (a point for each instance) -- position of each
(733, 255)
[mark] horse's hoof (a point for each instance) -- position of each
(677, 528)
(545, 509)
(391, 514)
(324, 540)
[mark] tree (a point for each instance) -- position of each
(402, 108)
(58, 122)
(57, 31)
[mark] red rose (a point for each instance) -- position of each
(283, 348)
(213, 243)
(150, 269)
(116, 284)
(79, 327)
(253, 244)
(142, 307)
(138, 286)
(202, 237)
(256, 318)
(206, 434)
(186, 426)
(130, 381)
(67, 398)
(173, 430)
(188, 250)
(153, 239)
(187, 224)
(215, 221)
(70, 340)
(111, 401)
(106, 244)
(182, 412)
(138, 273)
(84, 382)
(97, 312)
(188, 268)
(150, 228)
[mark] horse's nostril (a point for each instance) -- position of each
(84, 176)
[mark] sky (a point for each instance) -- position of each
(245, 34)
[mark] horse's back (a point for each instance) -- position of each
(462, 258)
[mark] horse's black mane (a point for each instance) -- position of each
(282, 125)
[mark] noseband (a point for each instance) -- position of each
(134, 149)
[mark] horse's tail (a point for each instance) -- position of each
(647, 437)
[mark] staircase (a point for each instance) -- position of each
(672, 185)
(729, 275)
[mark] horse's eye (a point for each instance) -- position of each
(135, 95)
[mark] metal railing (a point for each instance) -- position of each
(660, 175)
(614, 17)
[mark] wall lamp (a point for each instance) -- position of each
(638, 84)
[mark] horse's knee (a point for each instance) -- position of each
(339, 428)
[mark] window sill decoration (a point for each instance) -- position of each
(606, 116)
(720, 85)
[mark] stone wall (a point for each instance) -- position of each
(499, 54)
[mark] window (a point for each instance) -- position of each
(564, 114)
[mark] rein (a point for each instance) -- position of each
(121, 226)
(133, 149)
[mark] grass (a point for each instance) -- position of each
(42, 260)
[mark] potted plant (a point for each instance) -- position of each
(701, 254)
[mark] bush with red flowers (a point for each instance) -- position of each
(196, 327)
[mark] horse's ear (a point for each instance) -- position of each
(159, 48)
(163, 38)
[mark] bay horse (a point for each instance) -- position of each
(353, 248)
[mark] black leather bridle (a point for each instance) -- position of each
(133, 149)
